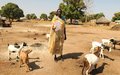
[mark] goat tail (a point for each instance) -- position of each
(8, 44)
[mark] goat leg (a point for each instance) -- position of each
(114, 46)
(95, 66)
(27, 67)
(20, 62)
(9, 56)
(55, 58)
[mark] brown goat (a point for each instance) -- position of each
(24, 58)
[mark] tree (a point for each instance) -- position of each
(92, 16)
(0, 12)
(88, 4)
(72, 9)
(43, 16)
(51, 14)
(98, 15)
(116, 16)
(11, 11)
(28, 16)
(31, 16)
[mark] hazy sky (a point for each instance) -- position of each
(108, 7)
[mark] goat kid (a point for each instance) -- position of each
(90, 61)
(24, 58)
(103, 47)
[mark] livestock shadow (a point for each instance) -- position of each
(109, 58)
(85, 33)
(34, 66)
(116, 49)
(98, 70)
(70, 56)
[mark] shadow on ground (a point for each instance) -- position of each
(99, 69)
(70, 56)
(109, 58)
(34, 66)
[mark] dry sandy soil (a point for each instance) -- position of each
(78, 43)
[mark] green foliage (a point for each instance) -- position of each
(31, 16)
(43, 16)
(28, 16)
(11, 11)
(0, 12)
(93, 16)
(73, 9)
(51, 15)
(98, 15)
(116, 16)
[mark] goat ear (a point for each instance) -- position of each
(112, 40)
(24, 44)
(15, 43)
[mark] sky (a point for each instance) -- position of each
(108, 7)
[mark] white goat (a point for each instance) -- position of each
(97, 44)
(14, 49)
(90, 61)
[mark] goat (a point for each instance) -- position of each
(98, 44)
(115, 42)
(24, 58)
(108, 42)
(90, 60)
(47, 36)
(14, 49)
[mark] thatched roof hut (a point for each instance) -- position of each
(103, 21)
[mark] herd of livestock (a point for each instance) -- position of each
(90, 60)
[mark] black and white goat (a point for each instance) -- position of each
(14, 49)
(108, 42)
(90, 61)
(103, 47)
(115, 42)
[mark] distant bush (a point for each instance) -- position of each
(43, 16)
(116, 16)
(31, 16)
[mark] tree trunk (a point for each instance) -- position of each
(85, 18)
(10, 21)
(70, 20)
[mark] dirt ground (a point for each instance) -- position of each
(78, 43)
